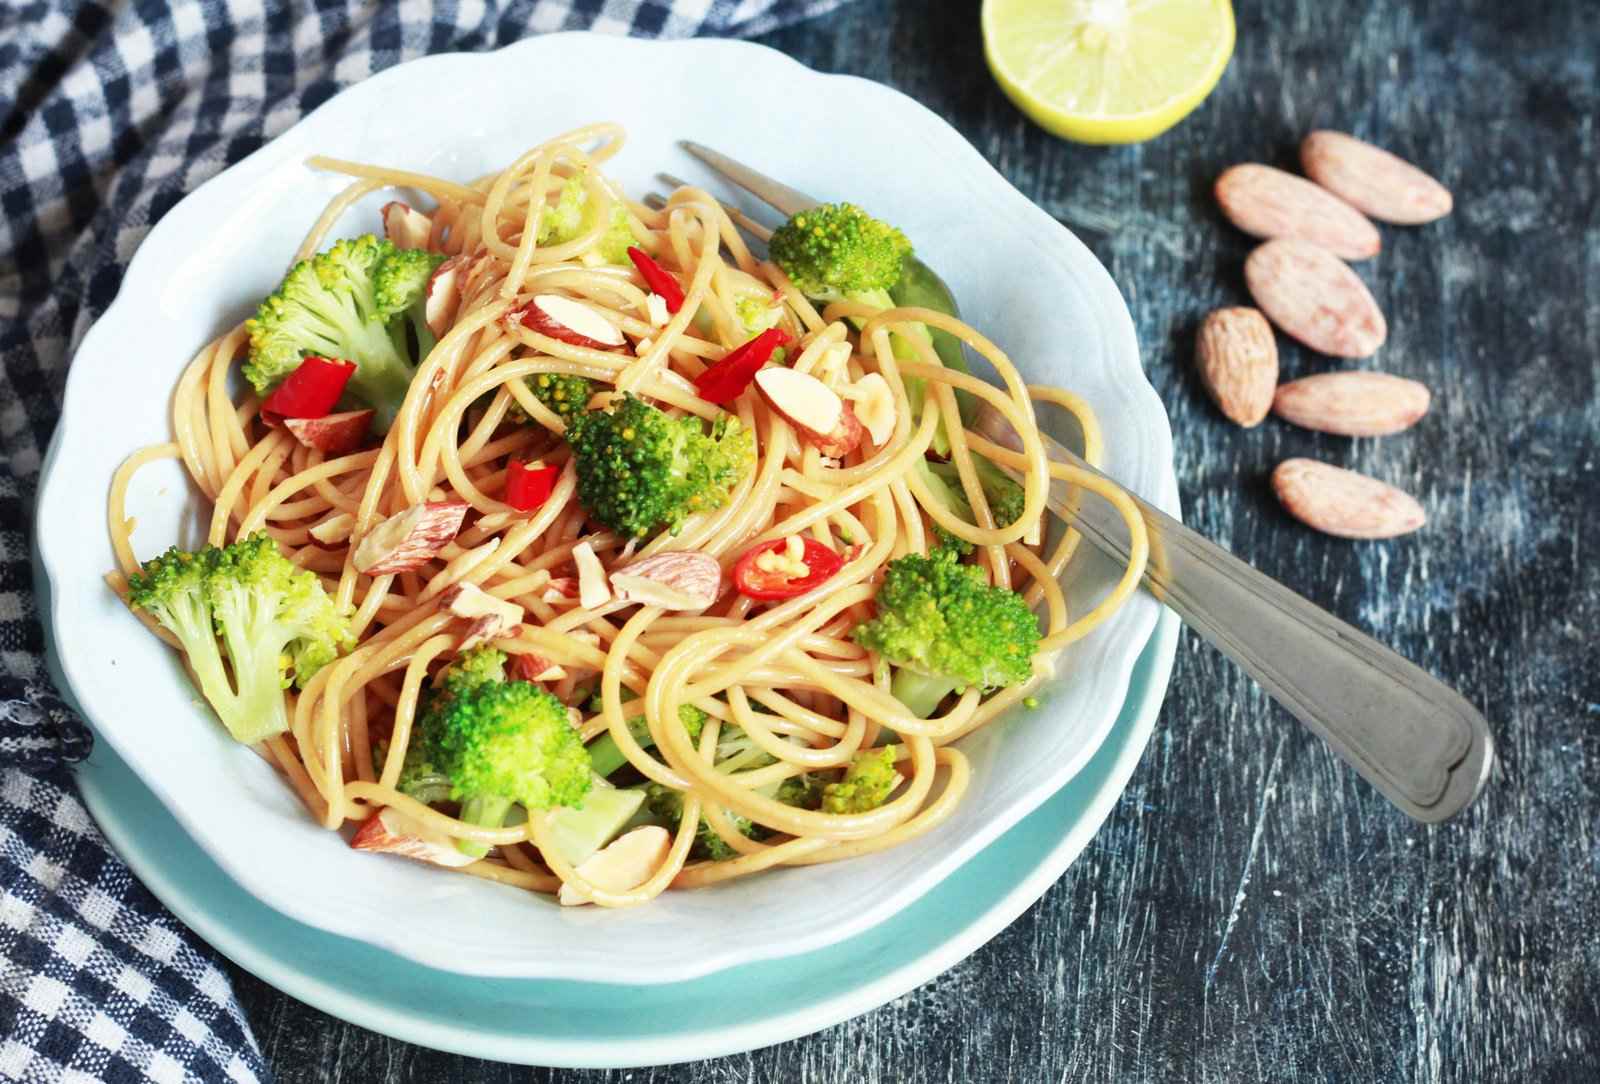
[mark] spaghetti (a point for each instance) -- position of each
(786, 672)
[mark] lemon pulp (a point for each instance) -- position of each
(1107, 71)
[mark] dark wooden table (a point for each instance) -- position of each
(1252, 910)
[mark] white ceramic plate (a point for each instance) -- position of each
(1020, 277)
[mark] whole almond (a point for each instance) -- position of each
(1373, 180)
(1341, 502)
(1268, 203)
(1313, 296)
(1352, 404)
(1238, 360)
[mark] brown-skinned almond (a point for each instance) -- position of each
(1373, 180)
(1267, 203)
(1352, 404)
(1341, 502)
(1314, 297)
(1237, 356)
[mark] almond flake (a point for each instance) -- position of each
(334, 529)
(593, 591)
(391, 832)
(491, 617)
(671, 581)
(409, 540)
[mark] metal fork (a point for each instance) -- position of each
(1411, 736)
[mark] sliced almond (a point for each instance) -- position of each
(560, 589)
(404, 227)
(1343, 503)
(873, 402)
(655, 307)
(490, 617)
(1382, 184)
(1267, 203)
(392, 832)
(625, 863)
(333, 529)
(1352, 404)
(671, 581)
(444, 294)
(593, 591)
(569, 321)
(1238, 360)
(815, 410)
(534, 667)
(332, 434)
(1315, 298)
(408, 541)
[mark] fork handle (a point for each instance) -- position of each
(1416, 739)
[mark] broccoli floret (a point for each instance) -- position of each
(607, 757)
(273, 617)
(499, 743)
(618, 238)
(944, 627)
(944, 540)
(563, 220)
(570, 217)
(360, 301)
(837, 251)
(756, 315)
(420, 777)
(566, 394)
(666, 806)
(1005, 495)
(640, 468)
(480, 666)
(803, 791)
(866, 784)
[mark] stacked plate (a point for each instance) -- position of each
(380, 942)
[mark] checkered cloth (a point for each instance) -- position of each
(109, 114)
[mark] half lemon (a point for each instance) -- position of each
(1107, 71)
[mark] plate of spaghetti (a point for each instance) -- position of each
(537, 581)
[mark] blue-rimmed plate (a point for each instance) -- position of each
(594, 1025)
(1023, 280)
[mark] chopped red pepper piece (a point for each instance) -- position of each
(758, 583)
(727, 379)
(529, 486)
(310, 391)
(657, 278)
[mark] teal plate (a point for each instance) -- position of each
(589, 1025)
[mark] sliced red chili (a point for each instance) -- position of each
(657, 278)
(758, 583)
(310, 391)
(528, 487)
(727, 379)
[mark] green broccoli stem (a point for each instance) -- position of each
(484, 811)
(255, 642)
(605, 755)
(382, 375)
(919, 287)
(189, 617)
(920, 693)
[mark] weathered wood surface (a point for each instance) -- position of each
(1252, 911)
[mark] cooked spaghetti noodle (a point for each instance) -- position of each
(787, 673)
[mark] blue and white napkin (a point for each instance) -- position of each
(109, 114)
